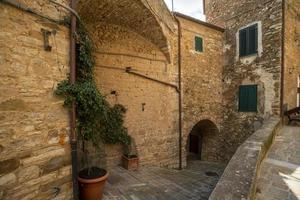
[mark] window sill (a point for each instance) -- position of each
(248, 59)
(250, 55)
(248, 112)
(196, 52)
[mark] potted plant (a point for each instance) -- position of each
(130, 160)
(97, 122)
(92, 178)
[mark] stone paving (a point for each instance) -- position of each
(280, 173)
(194, 183)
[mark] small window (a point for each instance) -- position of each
(248, 98)
(248, 40)
(198, 44)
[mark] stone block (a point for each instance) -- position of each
(7, 166)
(28, 173)
(12, 105)
(8, 179)
(55, 183)
(56, 163)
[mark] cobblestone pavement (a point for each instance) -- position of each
(194, 183)
(280, 174)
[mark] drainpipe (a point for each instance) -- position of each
(204, 7)
(73, 140)
(180, 92)
(282, 61)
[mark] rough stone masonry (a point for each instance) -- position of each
(143, 35)
(275, 61)
(34, 147)
(34, 129)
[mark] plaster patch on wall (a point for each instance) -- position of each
(269, 84)
(227, 47)
(248, 60)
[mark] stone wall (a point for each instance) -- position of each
(152, 108)
(291, 53)
(263, 69)
(144, 40)
(34, 149)
(202, 83)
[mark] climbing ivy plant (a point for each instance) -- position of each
(96, 119)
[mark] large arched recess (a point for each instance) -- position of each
(149, 19)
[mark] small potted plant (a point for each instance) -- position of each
(130, 159)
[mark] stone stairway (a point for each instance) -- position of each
(280, 171)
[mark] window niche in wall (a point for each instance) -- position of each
(249, 42)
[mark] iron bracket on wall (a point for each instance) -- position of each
(46, 35)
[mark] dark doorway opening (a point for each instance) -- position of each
(202, 141)
(195, 142)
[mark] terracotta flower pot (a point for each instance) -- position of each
(92, 188)
(130, 163)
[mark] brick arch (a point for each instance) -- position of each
(207, 133)
(142, 16)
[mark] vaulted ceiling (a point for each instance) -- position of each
(141, 16)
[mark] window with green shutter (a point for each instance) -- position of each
(248, 98)
(198, 44)
(248, 40)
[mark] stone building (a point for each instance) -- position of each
(291, 57)
(178, 77)
(202, 88)
(270, 68)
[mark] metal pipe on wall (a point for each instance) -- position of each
(73, 139)
(129, 71)
(179, 93)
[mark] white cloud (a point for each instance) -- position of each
(193, 8)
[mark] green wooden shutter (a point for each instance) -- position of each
(198, 44)
(243, 95)
(243, 42)
(248, 98)
(248, 41)
(252, 41)
(252, 98)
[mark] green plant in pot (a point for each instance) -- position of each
(97, 122)
(130, 159)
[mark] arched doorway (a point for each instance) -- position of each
(202, 141)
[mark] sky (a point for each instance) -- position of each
(193, 8)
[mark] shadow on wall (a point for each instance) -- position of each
(202, 142)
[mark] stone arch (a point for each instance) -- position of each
(141, 16)
(202, 141)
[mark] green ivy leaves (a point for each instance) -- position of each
(97, 120)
